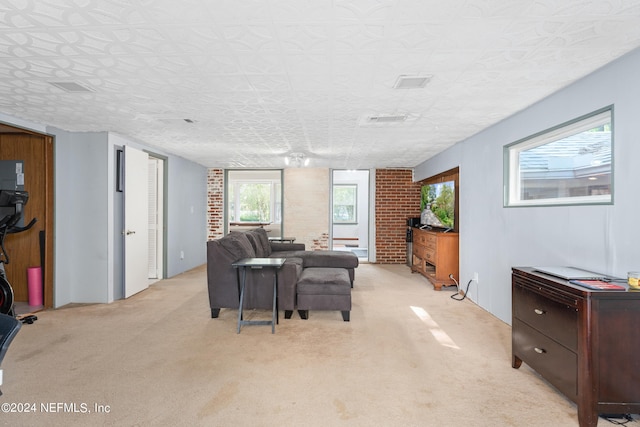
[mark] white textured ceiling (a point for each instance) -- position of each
(264, 78)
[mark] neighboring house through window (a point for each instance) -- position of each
(569, 164)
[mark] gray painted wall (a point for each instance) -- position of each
(89, 217)
(81, 235)
(187, 215)
(600, 238)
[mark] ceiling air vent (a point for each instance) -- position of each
(71, 87)
(177, 121)
(386, 118)
(411, 82)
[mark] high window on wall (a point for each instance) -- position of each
(345, 197)
(254, 198)
(566, 165)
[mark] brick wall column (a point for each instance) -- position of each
(215, 203)
(397, 198)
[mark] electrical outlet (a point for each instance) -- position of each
(181, 254)
(475, 277)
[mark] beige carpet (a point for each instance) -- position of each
(410, 356)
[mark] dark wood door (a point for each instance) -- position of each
(34, 247)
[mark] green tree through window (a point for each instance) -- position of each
(255, 201)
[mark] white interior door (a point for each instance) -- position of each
(136, 216)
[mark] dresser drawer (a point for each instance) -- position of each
(431, 241)
(555, 363)
(420, 251)
(430, 255)
(553, 319)
(419, 239)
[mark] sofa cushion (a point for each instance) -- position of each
(285, 246)
(341, 259)
(336, 259)
(288, 254)
(256, 244)
(262, 240)
(237, 245)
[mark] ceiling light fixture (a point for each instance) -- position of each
(411, 82)
(296, 160)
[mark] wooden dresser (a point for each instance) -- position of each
(585, 343)
(435, 256)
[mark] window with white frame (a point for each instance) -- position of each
(254, 200)
(568, 164)
(344, 203)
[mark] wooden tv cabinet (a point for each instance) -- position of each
(585, 343)
(435, 256)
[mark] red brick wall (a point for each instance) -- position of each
(397, 198)
(215, 203)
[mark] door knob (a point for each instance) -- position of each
(130, 232)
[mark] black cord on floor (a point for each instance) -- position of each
(464, 295)
(627, 419)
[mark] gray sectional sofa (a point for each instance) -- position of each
(222, 278)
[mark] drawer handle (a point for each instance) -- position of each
(539, 350)
(538, 311)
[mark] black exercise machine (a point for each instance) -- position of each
(11, 211)
(12, 204)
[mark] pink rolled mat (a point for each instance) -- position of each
(34, 284)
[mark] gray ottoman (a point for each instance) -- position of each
(324, 288)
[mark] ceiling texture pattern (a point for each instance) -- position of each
(243, 83)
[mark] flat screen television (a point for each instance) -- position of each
(438, 205)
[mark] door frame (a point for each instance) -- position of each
(164, 207)
(369, 209)
(164, 224)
